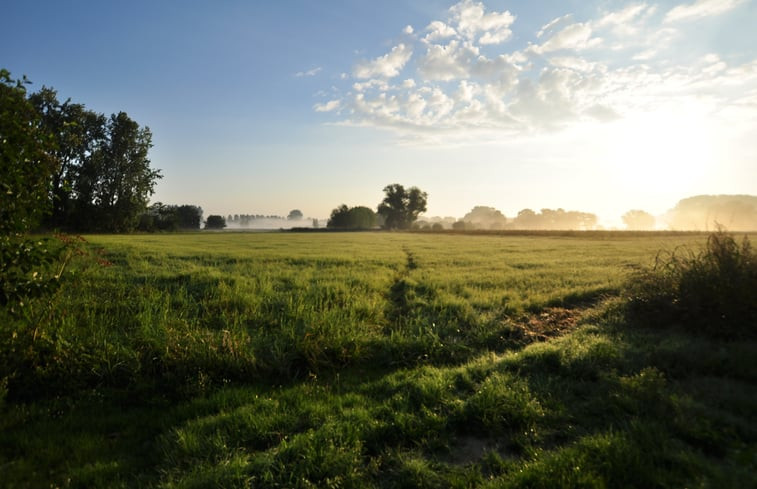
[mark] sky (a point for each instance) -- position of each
(264, 107)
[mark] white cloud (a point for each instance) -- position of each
(310, 72)
(593, 71)
(624, 16)
(408, 29)
(447, 62)
(551, 25)
(471, 19)
(388, 65)
(328, 106)
(574, 63)
(439, 30)
(701, 9)
(575, 36)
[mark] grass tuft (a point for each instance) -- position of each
(711, 291)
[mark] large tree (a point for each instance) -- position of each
(76, 133)
(400, 207)
(114, 184)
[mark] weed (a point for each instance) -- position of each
(711, 291)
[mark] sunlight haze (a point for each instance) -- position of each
(264, 107)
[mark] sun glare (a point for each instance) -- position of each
(661, 152)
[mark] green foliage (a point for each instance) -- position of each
(710, 291)
(215, 222)
(29, 268)
(113, 185)
(25, 163)
(162, 217)
(358, 217)
(401, 207)
(76, 167)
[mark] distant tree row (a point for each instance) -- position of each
(484, 217)
(162, 217)
(99, 177)
(399, 210)
(706, 212)
(244, 220)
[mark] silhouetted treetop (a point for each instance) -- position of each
(401, 207)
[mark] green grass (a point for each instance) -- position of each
(371, 360)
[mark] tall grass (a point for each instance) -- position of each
(711, 291)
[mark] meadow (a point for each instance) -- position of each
(369, 360)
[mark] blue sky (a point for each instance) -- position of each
(263, 107)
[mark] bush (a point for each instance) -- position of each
(711, 291)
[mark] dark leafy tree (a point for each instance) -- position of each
(25, 161)
(400, 207)
(189, 216)
(76, 134)
(115, 183)
(358, 217)
(29, 268)
(295, 215)
(215, 222)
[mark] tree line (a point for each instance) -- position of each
(91, 171)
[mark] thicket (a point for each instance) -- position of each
(711, 291)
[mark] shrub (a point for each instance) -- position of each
(713, 291)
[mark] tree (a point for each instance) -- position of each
(638, 220)
(358, 217)
(76, 133)
(25, 162)
(484, 217)
(29, 268)
(526, 219)
(294, 215)
(189, 216)
(115, 183)
(161, 217)
(215, 222)
(703, 212)
(401, 207)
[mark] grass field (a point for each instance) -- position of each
(370, 360)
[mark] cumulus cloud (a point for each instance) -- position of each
(462, 76)
(439, 30)
(387, 66)
(328, 106)
(700, 9)
(471, 19)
